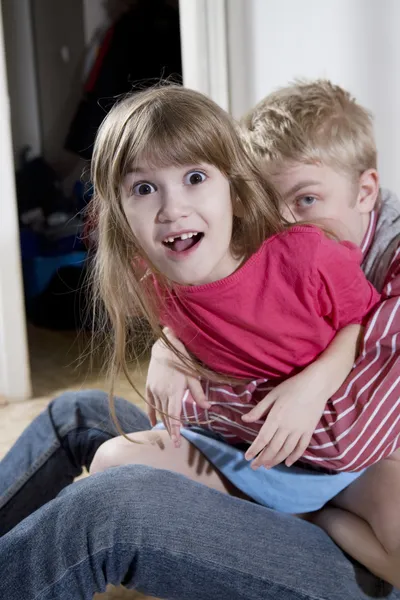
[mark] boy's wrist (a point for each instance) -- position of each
(321, 385)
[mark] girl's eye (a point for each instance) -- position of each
(194, 178)
(143, 189)
(306, 201)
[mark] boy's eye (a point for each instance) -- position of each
(306, 201)
(143, 189)
(194, 178)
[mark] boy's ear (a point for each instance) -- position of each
(368, 191)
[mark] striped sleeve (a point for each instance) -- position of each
(361, 423)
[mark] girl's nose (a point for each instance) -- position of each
(173, 206)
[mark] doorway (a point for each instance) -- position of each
(67, 62)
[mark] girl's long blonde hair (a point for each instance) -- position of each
(165, 126)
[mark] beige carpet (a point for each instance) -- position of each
(57, 365)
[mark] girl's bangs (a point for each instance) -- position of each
(178, 142)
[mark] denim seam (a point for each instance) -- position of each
(300, 594)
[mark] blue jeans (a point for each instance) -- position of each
(149, 529)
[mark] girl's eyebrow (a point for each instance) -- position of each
(135, 170)
(143, 170)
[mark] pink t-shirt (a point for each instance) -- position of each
(278, 311)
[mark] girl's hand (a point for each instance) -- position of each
(167, 382)
(293, 410)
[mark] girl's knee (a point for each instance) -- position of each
(121, 451)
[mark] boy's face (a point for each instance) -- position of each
(314, 191)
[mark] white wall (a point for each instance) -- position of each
(356, 43)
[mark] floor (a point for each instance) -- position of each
(60, 361)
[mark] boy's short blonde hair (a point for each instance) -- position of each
(312, 122)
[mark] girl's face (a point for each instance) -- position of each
(182, 217)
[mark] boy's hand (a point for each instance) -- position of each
(293, 410)
(167, 382)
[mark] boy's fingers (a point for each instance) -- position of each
(298, 451)
(271, 450)
(264, 437)
(260, 410)
(287, 448)
(197, 392)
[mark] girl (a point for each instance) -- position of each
(190, 235)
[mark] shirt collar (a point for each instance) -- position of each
(369, 234)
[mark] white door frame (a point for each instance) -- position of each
(204, 48)
(240, 60)
(216, 51)
(15, 381)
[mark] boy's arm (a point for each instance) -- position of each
(293, 408)
(361, 424)
(328, 372)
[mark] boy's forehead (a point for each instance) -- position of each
(290, 177)
(287, 175)
(292, 169)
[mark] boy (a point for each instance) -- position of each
(318, 147)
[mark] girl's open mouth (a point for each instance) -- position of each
(185, 241)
